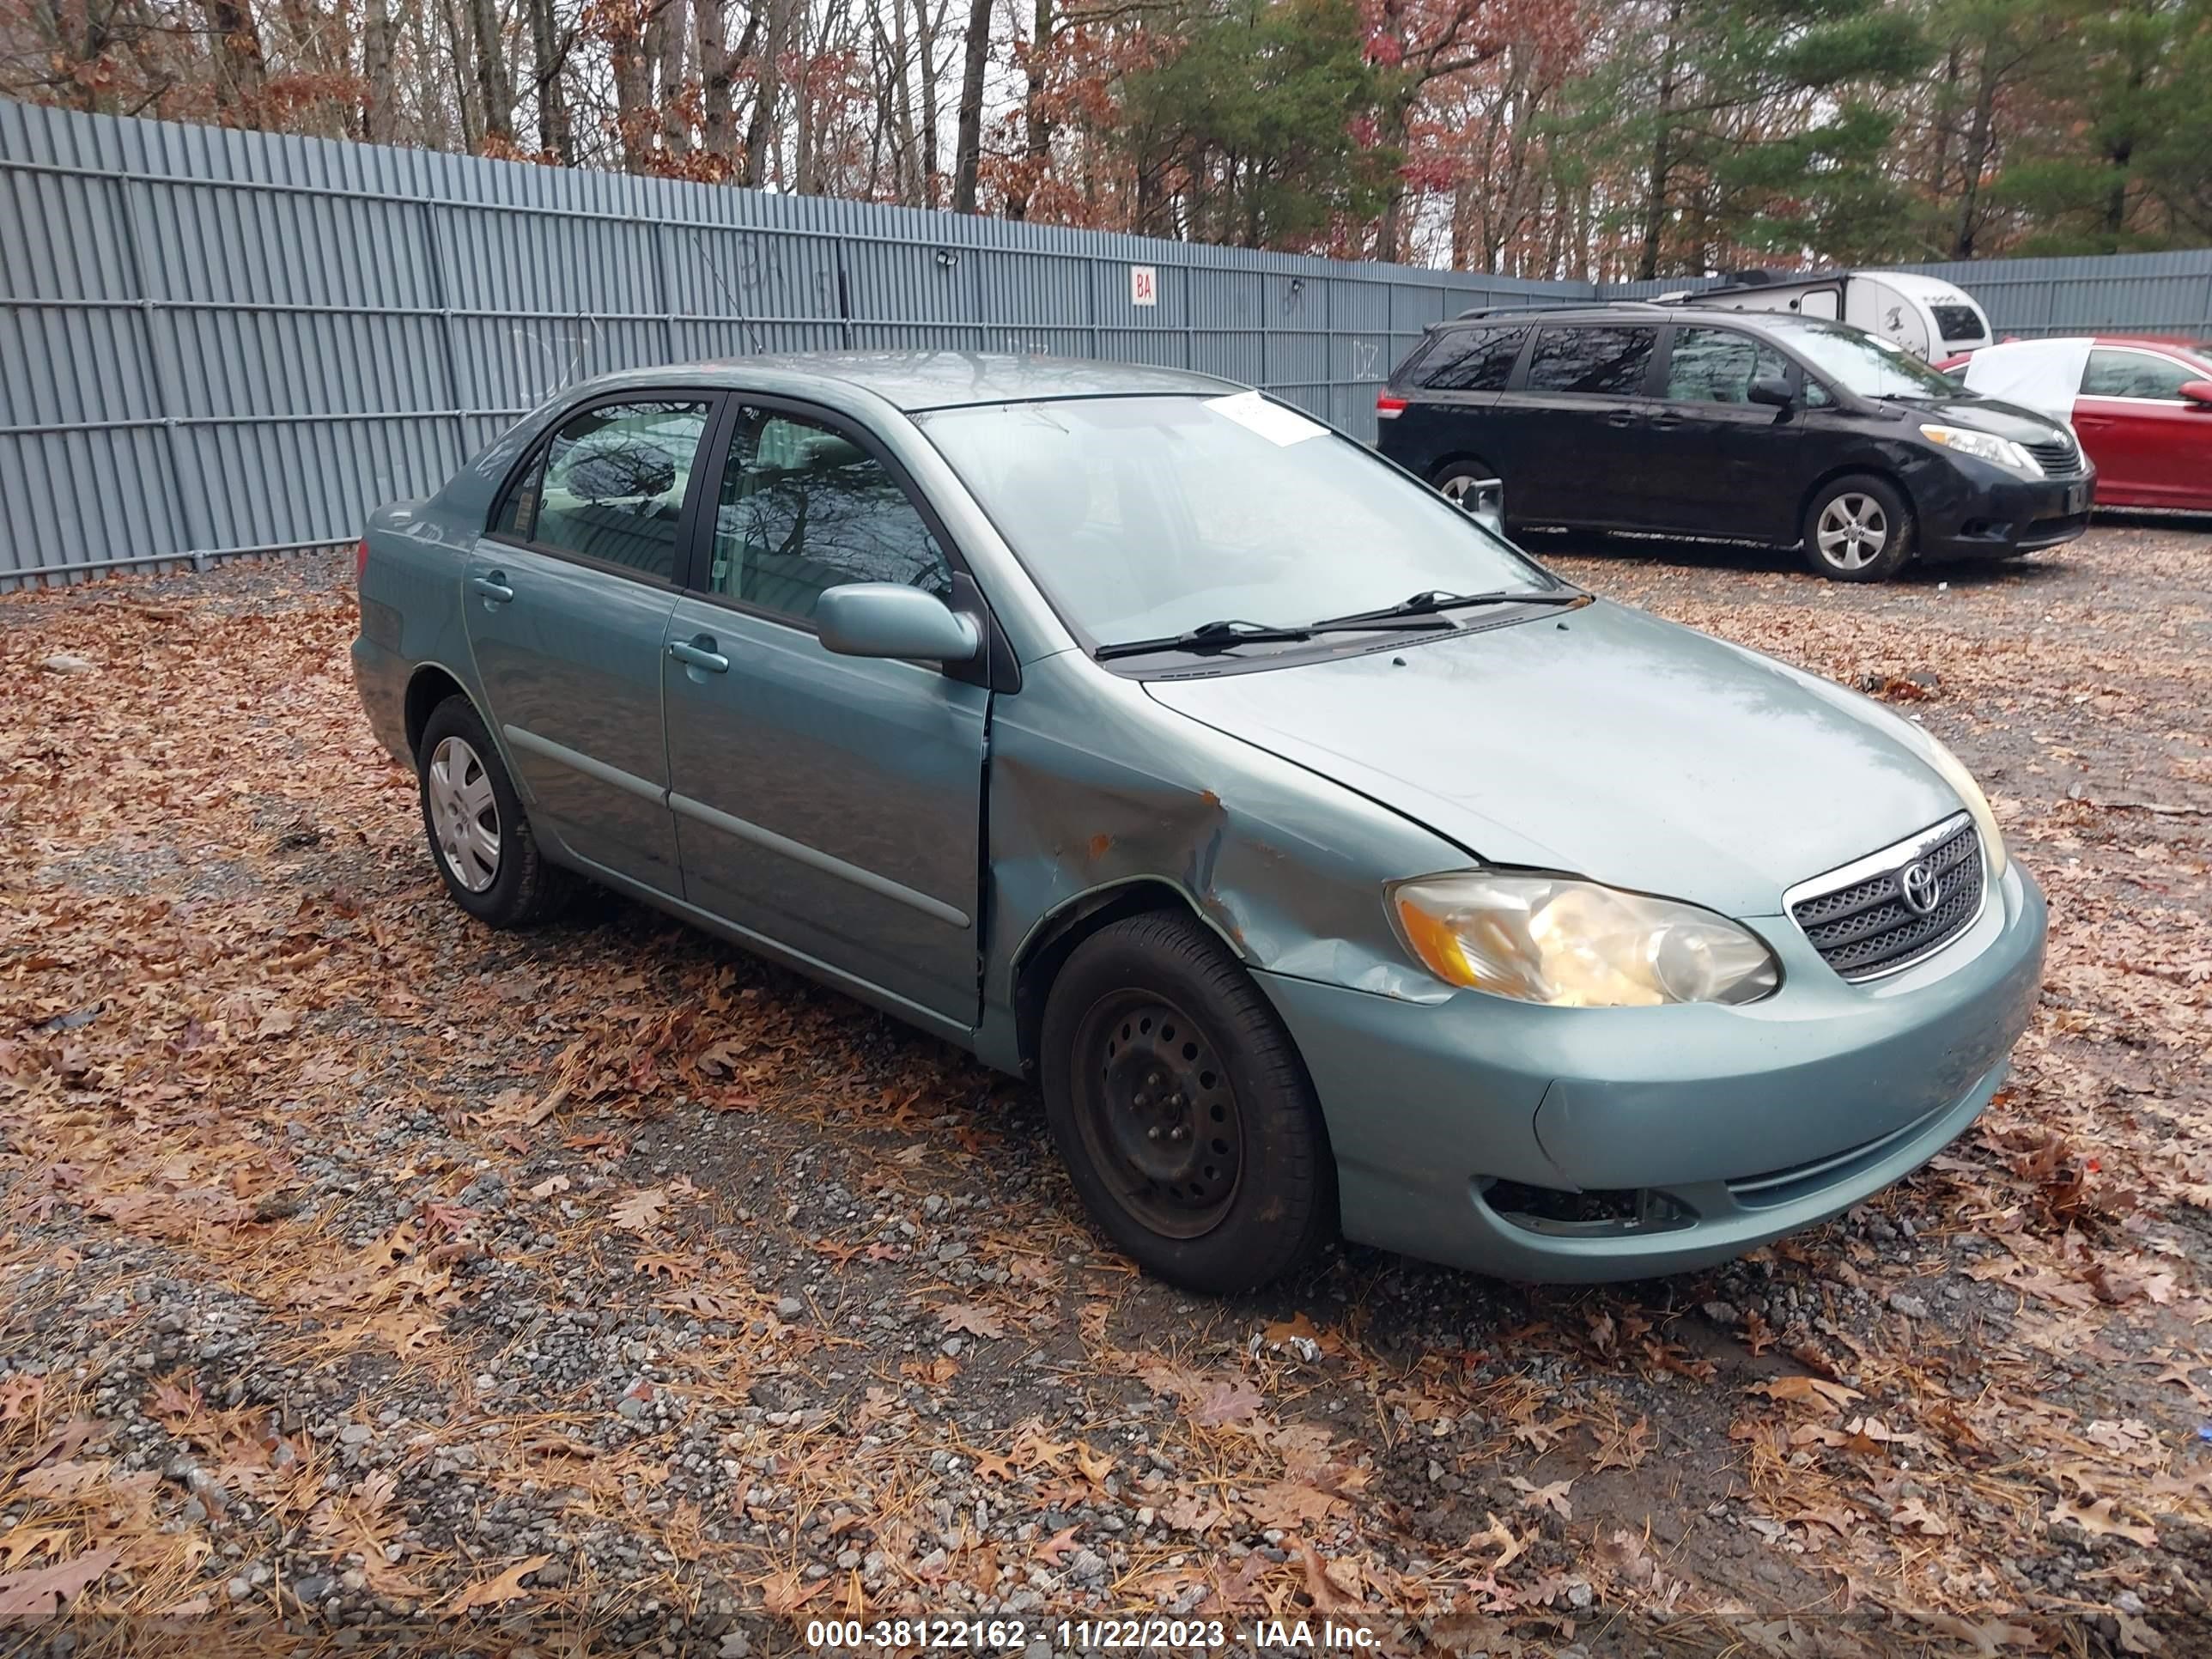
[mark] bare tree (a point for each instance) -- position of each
(968, 148)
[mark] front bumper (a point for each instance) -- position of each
(2018, 515)
(1695, 1132)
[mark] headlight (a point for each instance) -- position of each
(1985, 446)
(1970, 797)
(1576, 945)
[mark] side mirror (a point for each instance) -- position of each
(2198, 392)
(1771, 389)
(884, 619)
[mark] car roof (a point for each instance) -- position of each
(917, 380)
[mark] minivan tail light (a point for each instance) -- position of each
(1388, 408)
(360, 562)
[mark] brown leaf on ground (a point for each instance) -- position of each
(973, 1319)
(639, 1212)
(37, 1593)
(2097, 1519)
(492, 1592)
(1624, 1448)
(1054, 1549)
(1552, 1497)
(1807, 1390)
(1230, 1401)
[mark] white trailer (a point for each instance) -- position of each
(1928, 318)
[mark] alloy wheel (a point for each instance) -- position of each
(1852, 531)
(1457, 488)
(1156, 1112)
(464, 813)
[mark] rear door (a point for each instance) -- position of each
(2153, 446)
(1451, 392)
(1721, 464)
(1581, 407)
(569, 595)
(830, 805)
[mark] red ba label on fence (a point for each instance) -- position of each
(1143, 286)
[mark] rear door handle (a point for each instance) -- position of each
(699, 652)
(1665, 422)
(494, 588)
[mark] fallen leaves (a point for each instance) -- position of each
(37, 1593)
(2097, 1518)
(1552, 1497)
(639, 1212)
(972, 1319)
(502, 1587)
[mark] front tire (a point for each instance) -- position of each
(480, 838)
(1181, 1109)
(1858, 529)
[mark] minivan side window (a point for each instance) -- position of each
(1717, 366)
(1605, 361)
(609, 485)
(2136, 374)
(1471, 360)
(804, 508)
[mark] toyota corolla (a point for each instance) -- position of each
(1332, 868)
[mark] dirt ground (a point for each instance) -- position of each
(372, 1282)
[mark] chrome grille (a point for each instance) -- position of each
(2057, 456)
(1861, 919)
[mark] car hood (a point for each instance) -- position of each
(1991, 414)
(1602, 742)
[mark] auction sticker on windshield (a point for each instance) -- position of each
(1271, 420)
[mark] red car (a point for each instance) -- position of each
(2142, 407)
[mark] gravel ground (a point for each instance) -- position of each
(372, 1282)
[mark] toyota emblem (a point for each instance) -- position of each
(1921, 887)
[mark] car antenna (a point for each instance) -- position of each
(752, 328)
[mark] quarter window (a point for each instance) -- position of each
(1717, 366)
(1471, 360)
(1605, 361)
(610, 485)
(2136, 374)
(804, 508)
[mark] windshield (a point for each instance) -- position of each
(1868, 364)
(1142, 517)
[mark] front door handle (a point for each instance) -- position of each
(699, 653)
(1622, 418)
(494, 588)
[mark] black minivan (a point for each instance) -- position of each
(1764, 427)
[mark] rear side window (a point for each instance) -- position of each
(1957, 322)
(2136, 374)
(1717, 366)
(609, 485)
(1605, 361)
(1470, 360)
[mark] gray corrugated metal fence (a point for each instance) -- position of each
(215, 342)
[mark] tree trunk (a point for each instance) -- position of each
(1974, 158)
(549, 71)
(495, 91)
(675, 119)
(241, 73)
(760, 129)
(464, 90)
(633, 76)
(1662, 158)
(715, 65)
(377, 122)
(968, 146)
(1036, 120)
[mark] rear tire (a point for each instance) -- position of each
(1182, 1108)
(480, 838)
(1452, 479)
(1858, 529)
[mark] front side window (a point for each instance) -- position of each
(1605, 361)
(1717, 366)
(1471, 360)
(2136, 375)
(610, 484)
(1868, 364)
(1146, 516)
(804, 508)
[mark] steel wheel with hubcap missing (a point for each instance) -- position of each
(1157, 1113)
(464, 813)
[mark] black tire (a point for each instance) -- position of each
(1868, 501)
(523, 889)
(1229, 1073)
(1453, 472)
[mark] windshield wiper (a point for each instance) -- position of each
(1220, 634)
(1434, 601)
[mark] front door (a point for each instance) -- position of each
(569, 597)
(1582, 408)
(1723, 465)
(2152, 445)
(832, 805)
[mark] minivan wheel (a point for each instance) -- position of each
(1181, 1109)
(480, 838)
(1858, 529)
(1456, 482)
